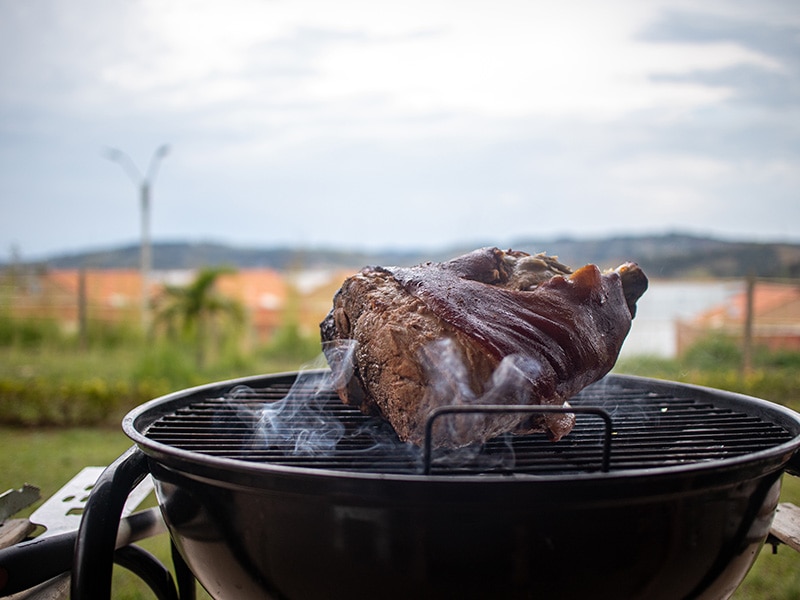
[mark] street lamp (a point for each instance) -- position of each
(144, 184)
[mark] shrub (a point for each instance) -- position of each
(109, 335)
(170, 364)
(41, 402)
(713, 352)
(779, 359)
(28, 333)
(289, 343)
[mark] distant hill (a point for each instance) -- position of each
(679, 255)
(672, 255)
(180, 255)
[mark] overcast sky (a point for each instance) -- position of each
(392, 125)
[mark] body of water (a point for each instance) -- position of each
(666, 302)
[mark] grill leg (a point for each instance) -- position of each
(93, 560)
(183, 575)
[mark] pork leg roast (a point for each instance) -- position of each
(491, 326)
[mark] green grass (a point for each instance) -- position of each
(48, 458)
(59, 383)
(171, 365)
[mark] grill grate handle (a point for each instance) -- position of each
(440, 411)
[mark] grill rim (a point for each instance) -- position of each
(237, 472)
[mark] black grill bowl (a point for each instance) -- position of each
(682, 511)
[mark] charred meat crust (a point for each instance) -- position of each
(563, 328)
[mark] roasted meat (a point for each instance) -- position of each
(488, 327)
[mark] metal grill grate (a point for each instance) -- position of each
(650, 429)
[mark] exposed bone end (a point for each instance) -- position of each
(634, 284)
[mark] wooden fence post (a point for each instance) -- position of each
(83, 334)
(747, 335)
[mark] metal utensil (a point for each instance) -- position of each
(13, 501)
(63, 511)
(30, 563)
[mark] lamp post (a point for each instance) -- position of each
(144, 185)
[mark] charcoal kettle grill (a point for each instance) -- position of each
(661, 491)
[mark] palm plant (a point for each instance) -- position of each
(197, 310)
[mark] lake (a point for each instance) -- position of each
(664, 303)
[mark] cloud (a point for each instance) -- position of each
(309, 121)
(775, 83)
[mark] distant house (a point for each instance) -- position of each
(776, 318)
(263, 293)
(107, 295)
(61, 295)
(315, 290)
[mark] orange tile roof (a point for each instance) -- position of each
(767, 298)
(108, 287)
(256, 288)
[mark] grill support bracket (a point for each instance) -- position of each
(517, 408)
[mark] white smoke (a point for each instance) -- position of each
(300, 423)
